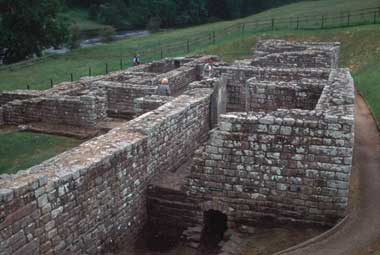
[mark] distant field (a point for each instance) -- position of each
(21, 150)
(359, 50)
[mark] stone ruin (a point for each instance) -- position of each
(268, 139)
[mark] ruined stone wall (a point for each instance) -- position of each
(86, 200)
(149, 103)
(282, 54)
(237, 77)
(286, 165)
(270, 96)
(121, 97)
(179, 79)
(76, 111)
(8, 96)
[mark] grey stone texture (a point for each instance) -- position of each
(265, 143)
(91, 196)
(286, 154)
(280, 53)
(149, 103)
(92, 99)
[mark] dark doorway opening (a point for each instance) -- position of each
(177, 64)
(215, 225)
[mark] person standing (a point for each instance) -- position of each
(163, 88)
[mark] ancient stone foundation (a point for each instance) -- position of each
(259, 141)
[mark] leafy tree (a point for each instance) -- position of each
(29, 26)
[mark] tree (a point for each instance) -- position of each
(29, 26)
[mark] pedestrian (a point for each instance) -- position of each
(136, 60)
(163, 88)
(208, 69)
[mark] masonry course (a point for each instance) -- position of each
(259, 142)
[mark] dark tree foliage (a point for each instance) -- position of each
(172, 13)
(29, 26)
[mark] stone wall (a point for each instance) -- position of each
(8, 96)
(86, 200)
(179, 79)
(149, 103)
(270, 96)
(67, 110)
(120, 97)
(282, 54)
(237, 77)
(285, 165)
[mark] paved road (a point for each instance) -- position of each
(360, 232)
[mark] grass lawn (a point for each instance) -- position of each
(21, 150)
(360, 50)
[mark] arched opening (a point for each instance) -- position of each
(215, 225)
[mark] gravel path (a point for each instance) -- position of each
(361, 229)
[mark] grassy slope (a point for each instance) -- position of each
(359, 46)
(38, 75)
(21, 150)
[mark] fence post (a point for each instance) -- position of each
(27, 87)
(272, 24)
(71, 77)
(323, 22)
(89, 71)
(348, 19)
(213, 37)
(162, 53)
(51, 83)
(121, 63)
(298, 23)
(188, 46)
(106, 68)
(375, 17)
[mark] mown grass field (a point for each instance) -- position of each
(21, 150)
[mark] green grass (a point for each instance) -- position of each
(21, 150)
(359, 50)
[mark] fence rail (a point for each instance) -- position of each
(191, 43)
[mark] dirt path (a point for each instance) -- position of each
(360, 232)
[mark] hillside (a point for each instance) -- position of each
(359, 50)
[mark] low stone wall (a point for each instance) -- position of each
(121, 97)
(179, 79)
(270, 96)
(8, 96)
(149, 103)
(279, 53)
(88, 199)
(82, 111)
(237, 77)
(286, 165)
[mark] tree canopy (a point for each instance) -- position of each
(124, 14)
(29, 26)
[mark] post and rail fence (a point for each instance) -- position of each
(198, 41)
